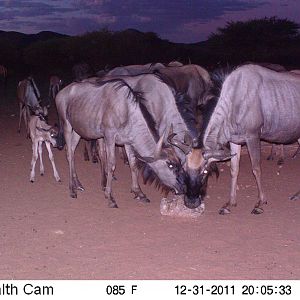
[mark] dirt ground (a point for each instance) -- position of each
(44, 234)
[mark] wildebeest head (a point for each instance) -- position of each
(164, 167)
(198, 166)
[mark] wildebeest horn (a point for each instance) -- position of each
(182, 146)
(217, 155)
(157, 152)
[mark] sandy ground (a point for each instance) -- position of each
(44, 234)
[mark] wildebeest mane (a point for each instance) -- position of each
(138, 98)
(183, 104)
(218, 77)
(149, 176)
(182, 101)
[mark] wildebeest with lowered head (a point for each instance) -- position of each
(169, 108)
(112, 111)
(254, 104)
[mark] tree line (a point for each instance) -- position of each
(270, 40)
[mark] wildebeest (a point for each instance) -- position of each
(254, 104)
(175, 63)
(282, 155)
(29, 99)
(81, 71)
(112, 111)
(41, 132)
(190, 80)
(55, 84)
(134, 69)
(3, 71)
(168, 108)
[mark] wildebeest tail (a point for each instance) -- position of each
(60, 139)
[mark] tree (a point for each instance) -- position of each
(257, 39)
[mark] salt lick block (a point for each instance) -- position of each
(174, 206)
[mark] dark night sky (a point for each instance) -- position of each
(176, 20)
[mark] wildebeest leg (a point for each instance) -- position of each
(72, 140)
(123, 155)
(272, 154)
(135, 187)
(20, 116)
(33, 160)
(86, 152)
(235, 150)
(103, 164)
(281, 157)
(254, 149)
(42, 169)
(26, 120)
(93, 147)
(297, 151)
(51, 157)
(111, 166)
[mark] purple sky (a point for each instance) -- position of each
(184, 21)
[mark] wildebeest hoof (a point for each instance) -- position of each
(280, 162)
(257, 211)
(73, 195)
(42, 174)
(95, 160)
(32, 180)
(80, 188)
(224, 211)
(112, 205)
(142, 199)
(270, 157)
(294, 197)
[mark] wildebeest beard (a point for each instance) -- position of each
(149, 177)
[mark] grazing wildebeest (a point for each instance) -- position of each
(55, 84)
(41, 132)
(29, 99)
(254, 104)
(168, 109)
(112, 111)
